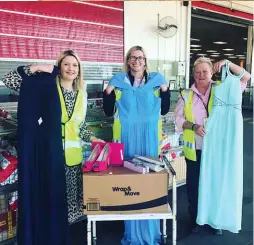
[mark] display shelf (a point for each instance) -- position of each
(5, 189)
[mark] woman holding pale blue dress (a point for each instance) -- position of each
(140, 98)
(194, 108)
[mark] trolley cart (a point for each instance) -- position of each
(170, 214)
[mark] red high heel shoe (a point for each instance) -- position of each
(88, 165)
(102, 161)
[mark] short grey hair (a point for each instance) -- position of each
(202, 60)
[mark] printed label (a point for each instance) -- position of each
(93, 206)
(126, 190)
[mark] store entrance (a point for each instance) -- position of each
(217, 37)
(217, 40)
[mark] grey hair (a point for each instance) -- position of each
(202, 60)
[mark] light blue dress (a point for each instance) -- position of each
(221, 172)
(139, 114)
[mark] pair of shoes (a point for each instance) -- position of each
(98, 159)
(196, 229)
(218, 232)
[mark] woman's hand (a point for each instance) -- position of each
(109, 89)
(42, 68)
(199, 130)
(235, 69)
(94, 139)
(217, 66)
(164, 87)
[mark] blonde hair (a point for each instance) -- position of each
(78, 82)
(126, 67)
(202, 60)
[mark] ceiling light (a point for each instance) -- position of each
(240, 55)
(195, 39)
(245, 38)
(241, 58)
(232, 57)
(228, 54)
(195, 45)
(195, 49)
(211, 51)
(228, 49)
(201, 54)
(220, 42)
(215, 55)
(191, 53)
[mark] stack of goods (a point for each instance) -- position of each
(171, 139)
(8, 224)
(8, 175)
(8, 167)
(143, 164)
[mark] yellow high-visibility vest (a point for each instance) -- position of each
(70, 129)
(189, 147)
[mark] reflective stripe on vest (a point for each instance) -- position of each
(189, 145)
(70, 129)
(189, 148)
(72, 144)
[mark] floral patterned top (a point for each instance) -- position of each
(13, 80)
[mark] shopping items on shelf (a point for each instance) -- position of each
(102, 155)
(8, 168)
(8, 227)
(13, 200)
(8, 219)
(5, 114)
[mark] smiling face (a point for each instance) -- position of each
(202, 75)
(69, 68)
(136, 61)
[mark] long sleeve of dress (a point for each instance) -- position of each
(165, 101)
(109, 103)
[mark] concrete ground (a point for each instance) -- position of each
(110, 233)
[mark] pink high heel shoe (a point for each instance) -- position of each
(102, 161)
(88, 166)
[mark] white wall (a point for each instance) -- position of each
(140, 28)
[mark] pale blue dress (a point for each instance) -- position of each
(221, 172)
(139, 114)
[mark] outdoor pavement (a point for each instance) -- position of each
(110, 233)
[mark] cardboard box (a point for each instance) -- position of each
(120, 190)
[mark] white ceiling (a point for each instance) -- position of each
(245, 6)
